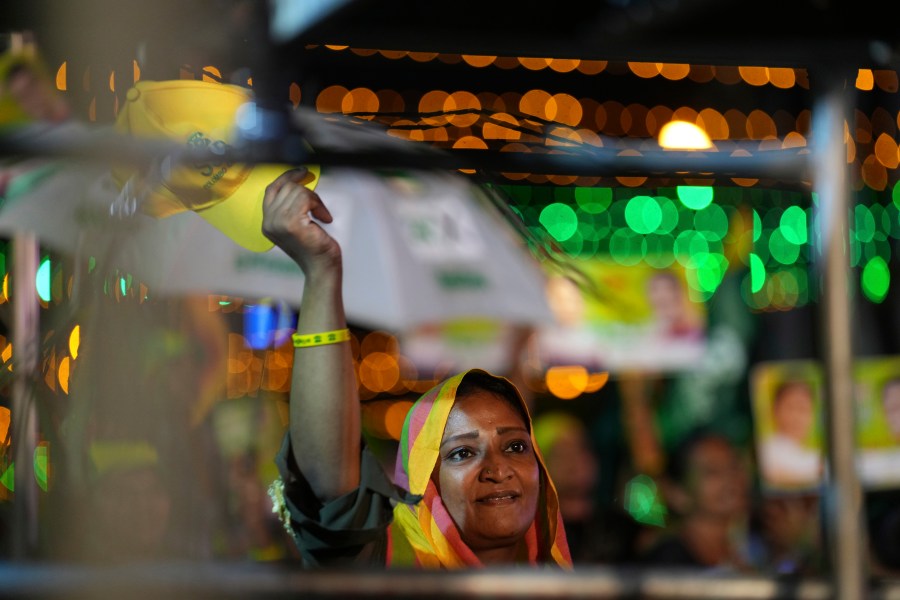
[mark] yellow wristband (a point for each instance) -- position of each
(305, 340)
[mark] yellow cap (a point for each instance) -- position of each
(201, 113)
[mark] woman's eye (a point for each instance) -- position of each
(460, 454)
(517, 447)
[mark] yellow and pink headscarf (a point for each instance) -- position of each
(424, 534)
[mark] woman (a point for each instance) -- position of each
(470, 488)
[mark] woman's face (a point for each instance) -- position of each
(487, 473)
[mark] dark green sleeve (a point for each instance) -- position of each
(349, 530)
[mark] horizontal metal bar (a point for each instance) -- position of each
(337, 144)
(264, 580)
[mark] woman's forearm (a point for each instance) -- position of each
(325, 412)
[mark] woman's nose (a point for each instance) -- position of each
(494, 469)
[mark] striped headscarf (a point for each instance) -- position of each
(424, 534)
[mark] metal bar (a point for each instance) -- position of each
(260, 580)
(26, 338)
(342, 144)
(842, 494)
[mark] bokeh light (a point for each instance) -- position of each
(559, 220)
(643, 501)
(876, 279)
(593, 199)
(757, 273)
(683, 135)
(695, 197)
(42, 280)
(566, 382)
(643, 214)
(41, 463)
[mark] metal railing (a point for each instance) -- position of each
(261, 580)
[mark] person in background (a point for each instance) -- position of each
(708, 493)
(790, 531)
(883, 506)
(470, 488)
(595, 535)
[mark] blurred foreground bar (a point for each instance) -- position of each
(257, 580)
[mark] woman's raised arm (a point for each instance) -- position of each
(324, 399)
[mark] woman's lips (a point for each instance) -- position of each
(499, 498)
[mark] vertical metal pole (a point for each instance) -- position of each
(26, 337)
(842, 499)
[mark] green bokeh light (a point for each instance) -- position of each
(590, 241)
(617, 214)
(643, 214)
(781, 249)
(890, 218)
(751, 298)
(643, 503)
(786, 289)
(876, 279)
(8, 479)
(42, 280)
(626, 247)
(689, 245)
(691, 226)
(659, 251)
(793, 225)
(713, 220)
(695, 196)
(863, 223)
(895, 194)
(877, 248)
(709, 271)
(41, 459)
(594, 226)
(559, 220)
(593, 199)
(757, 273)
(669, 212)
(574, 245)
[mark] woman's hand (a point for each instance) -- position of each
(288, 212)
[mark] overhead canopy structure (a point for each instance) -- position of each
(767, 32)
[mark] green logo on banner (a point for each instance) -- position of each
(461, 280)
